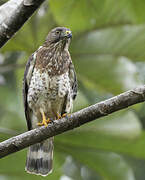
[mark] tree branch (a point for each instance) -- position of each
(77, 119)
(13, 15)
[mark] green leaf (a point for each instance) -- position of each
(120, 133)
(138, 10)
(85, 15)
(106, 59)
(106, 73)
(93, 140)
(125, 41)
(107, 164)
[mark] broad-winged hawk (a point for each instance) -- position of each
(49, 88)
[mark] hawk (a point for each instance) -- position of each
(49, 88)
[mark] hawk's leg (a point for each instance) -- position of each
(44, 120)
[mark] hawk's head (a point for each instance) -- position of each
(59, 34)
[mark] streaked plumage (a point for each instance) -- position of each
(49, 88)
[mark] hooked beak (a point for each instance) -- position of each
(68, 34)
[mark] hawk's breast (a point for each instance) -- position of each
(45, 88)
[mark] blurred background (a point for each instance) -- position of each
(108, 50)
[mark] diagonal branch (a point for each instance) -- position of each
(77, 119)
(13, 15)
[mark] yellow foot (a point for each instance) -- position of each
(62, 116)
(44, 120)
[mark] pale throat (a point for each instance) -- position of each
(62, 45)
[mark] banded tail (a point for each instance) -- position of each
(40, 157)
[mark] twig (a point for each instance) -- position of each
(13, 15)
(77, 119)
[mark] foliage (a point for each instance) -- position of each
(108, 52)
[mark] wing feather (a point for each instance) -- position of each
(26, 82)
(73, 81)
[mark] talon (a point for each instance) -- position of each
(62, 116)
(44, 121)
(48, 121)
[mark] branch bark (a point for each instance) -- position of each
(13, 15)
(77, 119)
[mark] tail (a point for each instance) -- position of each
(40, 157)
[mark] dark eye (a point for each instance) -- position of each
(57, 32)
